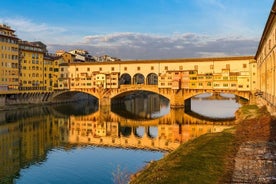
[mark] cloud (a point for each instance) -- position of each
(29, 30)
(129, 45)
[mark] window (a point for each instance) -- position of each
(244, 65)
(77, 69)
(88, 69)
(166, 68)
(100, 69)
(125, 68)
(112, 68)
(138, 68)
(152, 67)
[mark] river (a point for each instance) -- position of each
(82, 143)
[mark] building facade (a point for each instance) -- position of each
(231, 73)
(31, 70)
(9, 72)
(266, 62)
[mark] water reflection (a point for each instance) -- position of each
(215, 106)
(142, 105)
(27, 135)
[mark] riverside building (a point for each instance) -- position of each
(266, 61)
(31, 70)
(8, 59)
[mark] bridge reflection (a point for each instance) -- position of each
(106, 128)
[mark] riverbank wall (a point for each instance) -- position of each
(14, 101)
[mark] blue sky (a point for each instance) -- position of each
(141, 29)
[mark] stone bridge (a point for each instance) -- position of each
(177, 97)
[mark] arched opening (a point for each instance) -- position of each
(125, 131)
(125, 79)
(138, 79)
(152, 79)
(75, 103)
(153, 132)
(139, 131)
(216, 105)
(140, 105)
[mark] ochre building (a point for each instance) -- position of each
(9, 67)
(266, 63)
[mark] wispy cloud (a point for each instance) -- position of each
(130, 45)
(152, 46)
(29, 30)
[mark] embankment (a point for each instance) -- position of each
(243, 154)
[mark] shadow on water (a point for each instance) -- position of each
(80, 108)
(141, 106)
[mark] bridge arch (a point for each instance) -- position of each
(152, 79)
(191, 93)
(127, 89)
(139, 131)
(125, 79)
(152, 132)
(138, 78)
(125, 131)
(73, 94)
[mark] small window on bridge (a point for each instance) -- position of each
(125, 68)
(152, 67)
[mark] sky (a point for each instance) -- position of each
(141, 29)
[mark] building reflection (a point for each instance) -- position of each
(165, 133)
(26, 139)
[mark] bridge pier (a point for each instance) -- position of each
(188, 104)
(104, 101)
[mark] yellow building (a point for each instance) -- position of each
(31, 73)
(8, 59)
(67, 57)
(208, 73)
(266, 61)
(51, 71)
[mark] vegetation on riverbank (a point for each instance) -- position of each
(209, 158)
